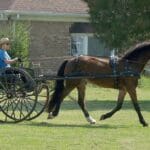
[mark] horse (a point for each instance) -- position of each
(136, 58)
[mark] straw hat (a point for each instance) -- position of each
(4, 40)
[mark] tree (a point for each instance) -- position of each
(120, 23)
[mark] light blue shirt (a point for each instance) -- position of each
(4, 56)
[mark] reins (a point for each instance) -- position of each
(133, 61)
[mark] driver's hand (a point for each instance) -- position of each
(19, 60)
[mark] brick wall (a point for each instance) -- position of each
(50, 44)
(49, 65)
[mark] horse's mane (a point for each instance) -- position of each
(134, 52)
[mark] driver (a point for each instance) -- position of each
(5, 59)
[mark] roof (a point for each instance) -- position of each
(55, 6)
(4, 4)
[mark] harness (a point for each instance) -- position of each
(128, 71)
(113, 62)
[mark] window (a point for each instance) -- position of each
(87, 44)
(79, 44)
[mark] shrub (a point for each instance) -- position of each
(20, 39)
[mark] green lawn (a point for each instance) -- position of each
(70, 131)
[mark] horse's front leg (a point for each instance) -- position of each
(122, 93)
(133, 95)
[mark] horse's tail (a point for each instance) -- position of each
(59, 86)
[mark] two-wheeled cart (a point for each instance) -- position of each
(24, 96)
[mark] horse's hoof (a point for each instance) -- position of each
(91, 120)
(102, 117)
(145, 125)
(50, 116)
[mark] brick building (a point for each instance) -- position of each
(59, 29)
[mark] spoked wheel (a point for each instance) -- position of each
(5, 119)
(42, 100)
(17, 98)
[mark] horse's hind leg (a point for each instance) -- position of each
(133, 95)
(67, 89)
(122, 93)
(64, 94)
(81, 95)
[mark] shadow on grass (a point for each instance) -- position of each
(97, 126)
(93, 105)
(67, 125)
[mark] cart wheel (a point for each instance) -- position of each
(16, 101)
(42, 100)
(5, 119)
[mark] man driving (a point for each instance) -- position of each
(5, 59)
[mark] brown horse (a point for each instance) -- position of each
(136, 58)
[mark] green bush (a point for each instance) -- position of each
(20, 40)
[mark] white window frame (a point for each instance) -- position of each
(85, 36)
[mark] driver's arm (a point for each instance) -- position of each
(11, 61)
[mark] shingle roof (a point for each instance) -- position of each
(53, 6)
(5, 4)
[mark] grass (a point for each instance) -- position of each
(70, 131)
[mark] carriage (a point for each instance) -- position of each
(24, 95)
(21, 100)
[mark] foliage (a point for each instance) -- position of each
(20, 44)
(19, 35)
(120, 23)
